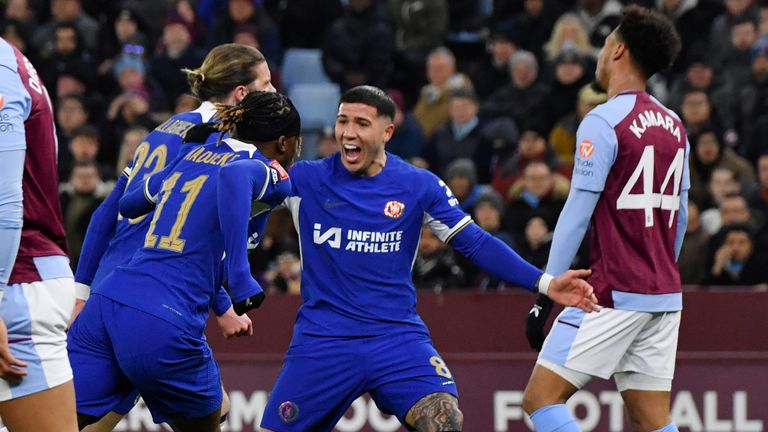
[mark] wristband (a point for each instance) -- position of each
(82, 291)
(544, 282)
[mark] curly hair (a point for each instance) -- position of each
(651, 38)
(259, 117)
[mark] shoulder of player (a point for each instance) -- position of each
(615, 109)
(8, 57)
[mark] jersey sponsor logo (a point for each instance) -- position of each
(332, 236)
(357, 240)
(288, 411)
(586, 149)
(276, 165)
(2, 101)
(6, 125)
(394, 209)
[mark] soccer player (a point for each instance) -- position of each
(630, 183)
(151, 335)
(359, 215)
(228, 73)
(37, 292)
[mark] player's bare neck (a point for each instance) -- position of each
(626, 80)
(376, 166)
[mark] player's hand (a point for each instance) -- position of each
(232, 325)
(537, 318)
(11, 369)
(570, 289)
(79, 304)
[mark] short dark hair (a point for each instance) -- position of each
(651, 38)
(738, 227)
(87, 131)
(372, 96)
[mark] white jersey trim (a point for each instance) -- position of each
(443, 231)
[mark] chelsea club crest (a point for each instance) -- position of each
(394, 209)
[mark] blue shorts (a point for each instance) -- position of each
(117, 350)
(320, 379)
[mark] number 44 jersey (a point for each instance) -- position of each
(635, 151)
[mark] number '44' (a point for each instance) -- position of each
(648, 199)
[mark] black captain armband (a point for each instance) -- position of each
(252, 302)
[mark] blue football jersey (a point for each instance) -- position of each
(177, 270)
(159, 148)
(359, 237)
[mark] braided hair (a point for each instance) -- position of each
(259, 117)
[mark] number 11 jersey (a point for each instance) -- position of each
(635, 151)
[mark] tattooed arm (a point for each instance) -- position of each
(436, 412)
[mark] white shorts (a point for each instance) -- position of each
(637, 348)
(37, 315)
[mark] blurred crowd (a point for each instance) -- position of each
(489, 96)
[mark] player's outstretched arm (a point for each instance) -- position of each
(239, 184)
(500, 260)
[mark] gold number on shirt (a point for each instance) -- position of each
(172, 242)
(440, 367)
(144, 159)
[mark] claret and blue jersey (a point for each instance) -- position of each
(359, 237)
(179, 261)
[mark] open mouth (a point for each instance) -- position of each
(352, 153)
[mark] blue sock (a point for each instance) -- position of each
(668, 428)
(554, 418)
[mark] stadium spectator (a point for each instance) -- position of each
(127, 33)
(79, 199)
(524, 92)
(733, 209)
(488, 213)
(71, 115)
(539, 193)
(534, 25)
(719, 43)
(247, 12)
(696, 112)
(753, 106)
(431, 109)
(358, 47)
(693, 255)
(436, 268)
(570, 30)
(461, 178)
(132, 138)
(66, 11)
(735, 261)
(600, 18)
(178, 53)
(758, 202)
(736, 62)
(563, 134)
(708, 154)
(461, 137)
(419, 27)
(689, 17)
(570, 74)
(533, 146)
(313, 17)
(186, 10)
(536, 242)
(407, 140)
(67, 55)
(492, 72)
(287, 274)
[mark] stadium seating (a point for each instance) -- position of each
(302, 66)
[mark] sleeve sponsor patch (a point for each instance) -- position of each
(280, 170)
